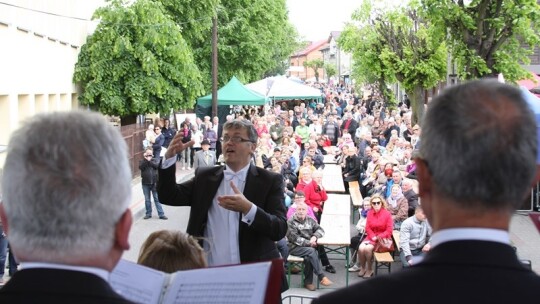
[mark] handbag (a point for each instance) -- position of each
(384, 245)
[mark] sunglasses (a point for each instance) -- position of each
(376, 202)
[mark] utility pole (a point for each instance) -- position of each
(214, 66)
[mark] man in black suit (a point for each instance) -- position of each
(477, 164)
(65, 208)
(238, 208)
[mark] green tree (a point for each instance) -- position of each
(330, 70)
(136, 61)
(255, 37)
(404, 48)
(486, 37)
(315, 64)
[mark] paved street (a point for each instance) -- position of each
(523, 235)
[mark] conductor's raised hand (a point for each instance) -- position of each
(235, 202)
(176, 146)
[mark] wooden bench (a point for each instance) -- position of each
(295, 261)
(354, 184)
(396, 237)
(356, 199)
(383, 260)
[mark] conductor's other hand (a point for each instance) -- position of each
(176, 146)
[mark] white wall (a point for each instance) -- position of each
(40, 41)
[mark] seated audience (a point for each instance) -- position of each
(379, 225)
(361, 228)
(302, 236)
(414, 237)
(398, 206)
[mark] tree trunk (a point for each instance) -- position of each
(417, 96)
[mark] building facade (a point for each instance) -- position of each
(311, 52)
(40, 43)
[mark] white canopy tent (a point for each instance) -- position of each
(282, 88)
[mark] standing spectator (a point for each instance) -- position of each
(168, 132)
(148, 167)
(331, 130)
(276, 132)
(158, 143)
(302, 235)
(67, 211)
(477, 163)
(211, 136)
(186, 154)
(149, 136)
(219, 133)
(414, 237)
(379, 225)
(171, 251)
(197, 137)
(204, 157)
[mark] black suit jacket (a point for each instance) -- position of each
(263, 188)
(43, 285)
(453, 272)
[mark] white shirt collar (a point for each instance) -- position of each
(477, 234)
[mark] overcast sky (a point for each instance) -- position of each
(315, 19)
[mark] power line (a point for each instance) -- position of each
(106, 23)
(43, 12)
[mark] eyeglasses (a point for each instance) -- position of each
(234, 139)
(149, 156)
(376, 203)
(157, 129)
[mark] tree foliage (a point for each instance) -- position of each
(137, 61)
(396, 44)
(486, 37)
(330, 70)
(254, 37)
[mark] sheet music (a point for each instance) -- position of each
(245, 284)
(139, 284)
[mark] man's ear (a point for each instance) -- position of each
(3, 218)
(425, 186)
(123, 226)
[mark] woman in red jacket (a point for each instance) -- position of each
(379, 225)
(315, 194)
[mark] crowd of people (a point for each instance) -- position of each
(66, 217)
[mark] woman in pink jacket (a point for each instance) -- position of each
(379, 225)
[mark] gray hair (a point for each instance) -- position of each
(479, 141)
(67, 182)
(243, 124)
